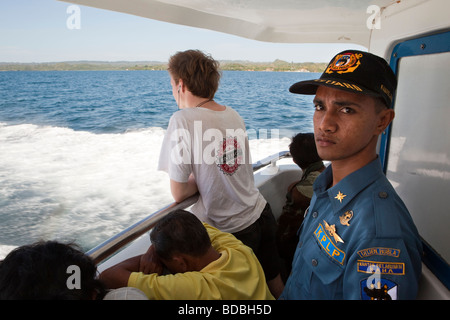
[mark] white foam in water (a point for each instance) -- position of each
(56, 183)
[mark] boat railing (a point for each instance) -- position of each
(117, 242)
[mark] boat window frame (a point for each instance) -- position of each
(424, 45)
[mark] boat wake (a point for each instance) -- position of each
(58, 183)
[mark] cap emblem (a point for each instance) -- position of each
(344, 63)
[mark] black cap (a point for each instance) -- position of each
(357, 72)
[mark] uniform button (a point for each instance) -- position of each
(315, 214)
(314, 262)
(383, 194)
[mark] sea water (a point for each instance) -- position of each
(79, 150)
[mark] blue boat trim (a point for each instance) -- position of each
(436, 264)
(437, 43)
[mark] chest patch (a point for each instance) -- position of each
(328, 246)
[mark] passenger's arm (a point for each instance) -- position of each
(117, 276)
(183, 190)
(150, 262)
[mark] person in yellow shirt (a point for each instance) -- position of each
(203, 263)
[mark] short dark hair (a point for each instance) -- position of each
(303, 149)
(39, 272)
(199, 72)
(180, 232)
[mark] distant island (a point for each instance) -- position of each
(277, 65)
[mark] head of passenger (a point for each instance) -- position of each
(180, 241)
(194, 71)
(303, 150)
(49, 271)
(352, 105)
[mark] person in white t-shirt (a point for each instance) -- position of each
(206, 150)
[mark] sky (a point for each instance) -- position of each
(37, 31)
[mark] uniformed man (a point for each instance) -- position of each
(358, 240)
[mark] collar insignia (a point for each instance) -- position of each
(340, 196)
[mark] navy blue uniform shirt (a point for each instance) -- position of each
(358, 241)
